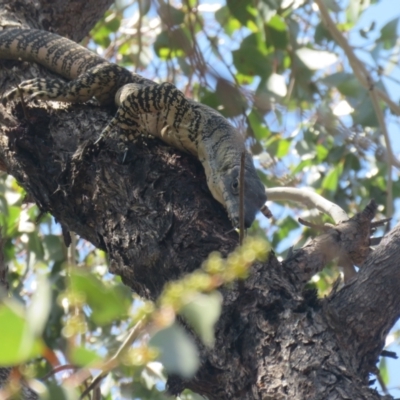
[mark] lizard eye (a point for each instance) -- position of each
(235, 186)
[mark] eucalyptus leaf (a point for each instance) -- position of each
(178, 353)
(315, 59)
(202, 313)
(18, 342)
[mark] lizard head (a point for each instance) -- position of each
(254, 192)
(219, 150)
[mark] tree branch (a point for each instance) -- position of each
(366, 80)
(373, 296)
(349, 241)
(309, 199)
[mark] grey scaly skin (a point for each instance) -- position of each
(143, 107)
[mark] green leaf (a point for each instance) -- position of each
(56, 391)
(322, 152)
(53, 247)
(178, 353)
(224, 17)
(170, 15)
(257, 126)
(352, 162)
(277, 32)
(113, 25)
(347, 84)
(321, 34)
(304, 148)
(14, 213)
(364, 113)
(174, 43)
(18, 342)
(209, 98)
(252, 57)
(231, 98)
(202, 313)
(333, 5)
(300, 167)
(107, 302)
(389, 34)
(283, 148)
(35, 245)
(243, 11)
(384, 372)
(331, 180)
(84, 357)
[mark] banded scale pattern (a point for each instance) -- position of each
(145, 107)
(54, 52)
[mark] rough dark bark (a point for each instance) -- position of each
(57, 16)
(156, 219)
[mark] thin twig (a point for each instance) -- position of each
(241, 198)
(318, 227)
(58, 369)
(381, 222)
(113, 361)
(390, 354)
(23, 104)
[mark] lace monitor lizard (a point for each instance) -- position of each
(143, 106)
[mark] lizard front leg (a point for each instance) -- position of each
(101, 81)
(160, 110)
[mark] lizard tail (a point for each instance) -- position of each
(54, 52)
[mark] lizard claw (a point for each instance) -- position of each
(99, 139)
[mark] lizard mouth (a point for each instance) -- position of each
(250, 211)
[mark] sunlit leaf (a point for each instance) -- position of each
(315, 59)
(243, 11)
(277, 84)
(322, 152)
(383, 370)
(18, 343)
(84, 357)
(283, 148)
(227, 21)
(331, 180)
(95, 292)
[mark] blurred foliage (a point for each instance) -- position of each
(270, 66)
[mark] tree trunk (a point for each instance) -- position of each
(155, 217)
